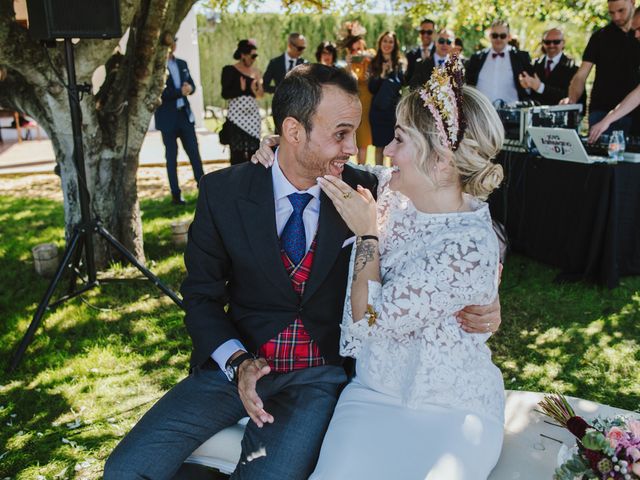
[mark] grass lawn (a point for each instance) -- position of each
(100, 361)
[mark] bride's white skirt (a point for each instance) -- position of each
(372, 436)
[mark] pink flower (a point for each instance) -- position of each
(634, 453)
(615, 435)
(634, 428)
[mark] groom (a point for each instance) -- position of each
(270, 246)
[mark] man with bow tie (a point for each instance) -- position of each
(495, 71)
(552, 72)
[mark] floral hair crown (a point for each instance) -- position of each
(442, 95)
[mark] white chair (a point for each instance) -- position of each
(526, 454)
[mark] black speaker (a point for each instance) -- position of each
(51, 19)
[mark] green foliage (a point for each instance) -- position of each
(595, 440)
(218, 41)
(469, 19)
(573, 468)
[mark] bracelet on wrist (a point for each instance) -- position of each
(368, 237)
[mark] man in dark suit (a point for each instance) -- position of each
(444, 46)
(552, 72)
(175, 119)
(422, 52)
(495, 71)
(267, 265)
(279, 66)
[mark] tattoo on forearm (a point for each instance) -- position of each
(365, 252)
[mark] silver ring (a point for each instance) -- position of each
(487, 325)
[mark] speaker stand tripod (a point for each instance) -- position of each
(82, 237)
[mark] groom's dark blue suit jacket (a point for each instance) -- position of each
(233, 258)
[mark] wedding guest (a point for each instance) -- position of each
(495, 71)
(327, 53)
(358, 59)
(424, 50)
(241, 85)
(444, 47)
(628, 105)
(175, 120)
(458, 48)
(279, 66)
(514, 42)
(615, 53)
(385, 82)
(552, 72)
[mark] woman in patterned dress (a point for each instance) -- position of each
(241, 85)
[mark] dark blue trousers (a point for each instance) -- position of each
(205, 402)
(185, 131)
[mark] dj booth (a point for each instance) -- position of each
(580, 216)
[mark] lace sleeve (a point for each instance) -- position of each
(429, 284)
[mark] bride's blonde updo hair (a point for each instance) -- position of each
(482, 140)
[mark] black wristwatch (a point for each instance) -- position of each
(231, 370)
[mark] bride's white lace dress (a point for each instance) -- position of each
(426, 402)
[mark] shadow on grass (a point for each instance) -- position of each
(579, 339)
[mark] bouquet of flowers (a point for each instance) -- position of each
(607, 449)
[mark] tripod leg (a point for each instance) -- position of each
(74, 266)
(134, 261)
(44, 303)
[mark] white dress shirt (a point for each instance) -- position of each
(437, 58)
(287, 58)
(554, 62)
(496, 78)
(174, 71)
(281, 189)
(425, 52)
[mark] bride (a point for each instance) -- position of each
(426, 401)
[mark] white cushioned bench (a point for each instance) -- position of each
(525, 454)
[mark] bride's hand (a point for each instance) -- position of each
(356, 207)
(264, 155)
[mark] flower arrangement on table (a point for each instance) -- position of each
(607, 449)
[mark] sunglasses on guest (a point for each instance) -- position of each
(254, 56)
(501, 36)
(300, 49)
(552, 42)
(442, 41)
(426, 32)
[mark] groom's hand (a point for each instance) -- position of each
(480, 318)
(249, 372)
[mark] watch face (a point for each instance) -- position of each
(230, 372)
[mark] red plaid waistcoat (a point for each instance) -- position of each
(293, 348)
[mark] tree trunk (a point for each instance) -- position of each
(114, 121)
